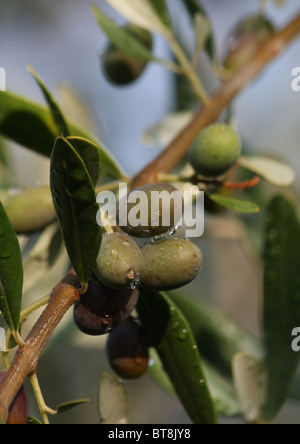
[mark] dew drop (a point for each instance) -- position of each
(114, 253)
(182, 335)
(273, 235)
(175, 325)
(125, 244)
(172, 231)
(107, 319)
(202, 381)
(175, 255)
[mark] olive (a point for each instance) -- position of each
(245, 40)
(120, 262)
(121, 68)
(100, 310)
(18, 411)
(215, 150)
(127, 350)
(170, 264)
(151, 210)
(31, 210)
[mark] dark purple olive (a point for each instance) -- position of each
(18, 412)
(100, 310)
(127, 350)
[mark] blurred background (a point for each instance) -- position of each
(63, 43)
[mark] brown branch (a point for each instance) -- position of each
(26, 359)
(209, 113)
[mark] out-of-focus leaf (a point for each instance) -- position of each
(221, 391)
(162, 10)
(31, 210)
(239, 205)
(141, 13)
(250, 380)
(2, 339)
(57, 115)
(122, 38)
(202, 31)
(66, 406)
(195, 8)
(171, 335)
(113, 405)
(32, 126)
(11, 273)
(218, 337)
(76, 208)
(272, 170)
(281, 299)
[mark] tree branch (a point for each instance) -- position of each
(26, 359)
(211, 110)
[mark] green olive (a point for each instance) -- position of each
(127, 350)
(215, 150)
(246, 39)
(119, 262)
(170, 264)
(121, 68)
(31, 210)
(151, 210)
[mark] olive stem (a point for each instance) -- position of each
(43, 408)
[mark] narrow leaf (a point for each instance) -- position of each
(141, 13)
(31, 125)
(171, 335)
(57, 115)
(281, 299)
(272, 170)
(75, 204)
(66, 406)
(121, 38)
(89, 153)
(250, 379)
(113, 405)
(11, 273)
(239, 205)
(162, 10)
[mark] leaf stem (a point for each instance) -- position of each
(43, 408)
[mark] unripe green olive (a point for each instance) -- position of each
(18, 411)
(31, 210)
(127, 350)
(215, 150)
(151, 210)
(120, 262)
(100, 310)
(119, 67)
(245, 40)
(170, 264)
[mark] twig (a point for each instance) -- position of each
(211, 110)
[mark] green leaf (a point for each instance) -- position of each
(195, 8)
(75, 204)
(113, 404)
(272, 170)
(66, 406)
(122, 38)
(281, 299)
(33, 421)
(171, 335)
(32, 126)
(11, 273)
(57, 115)
(90, 155)
(221, 391)
(218, 337)
(162, 10)
(239, 205)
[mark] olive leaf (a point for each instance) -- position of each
(239, 205)
(31, 125)
(162, 10)
(113, 405)
(274, 171)
(69, 405)
(281, 299)
(171, 335)
(76, 208)
(57, 115)
(11, 273)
